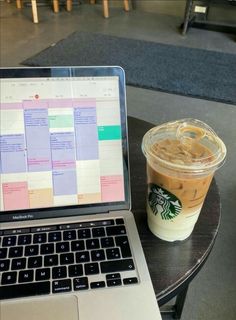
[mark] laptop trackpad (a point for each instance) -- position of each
(42, 308)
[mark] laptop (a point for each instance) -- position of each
(69, 246)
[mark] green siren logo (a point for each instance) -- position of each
(163, 202)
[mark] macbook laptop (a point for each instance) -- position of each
(69, 246)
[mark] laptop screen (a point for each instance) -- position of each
(63, 141)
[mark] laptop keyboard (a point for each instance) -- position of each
(64, 258)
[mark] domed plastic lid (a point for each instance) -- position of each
(186, 145)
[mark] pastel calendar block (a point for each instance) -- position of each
(41, 198)
(15, 195)
(112, 188)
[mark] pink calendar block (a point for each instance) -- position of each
(112, 188)
(15, 195)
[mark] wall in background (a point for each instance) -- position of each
(169, 7)
(223, 11)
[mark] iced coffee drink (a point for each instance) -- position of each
(182, 157)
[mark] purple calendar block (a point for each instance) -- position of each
(12, 150)
(85, 115)
(87, 143)
(37, 140)
(64, 182)
(86, 133)
(63, 150)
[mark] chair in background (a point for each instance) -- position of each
(105, 5)
(19, 5)
(56, 5)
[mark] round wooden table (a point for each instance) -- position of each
(172, 265)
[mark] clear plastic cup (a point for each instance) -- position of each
(182, 157)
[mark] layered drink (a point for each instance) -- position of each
(182, 157)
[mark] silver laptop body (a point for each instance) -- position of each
(69, 246)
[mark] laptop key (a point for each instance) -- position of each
(35, 262)
(67, 258)
(40, 238)
(18, 264)
(116, 230)
(59, 286)
(47, 248)
(120, 221)
(9, 241)
(4, 265)
(24, 290)
(32, 250)
(97, 284)
(51, 260)
(92, 244)
(24, 239)
(62, 247)
(97, 255)
(84, 233)
(42, 274)
(82, 256)
(114, 282)
(15, 252)
(59, 272)
(98, 232)
(107, 242)
(26, 276)
(80, 283)
(113, 276)
(54, 236)
(113, 253)
(123, 243)
(75, 270)
(91, 268)
(69, 235)
(3, 253)
(132, 280)
(8, 278)
(77, 245)
(117, 265)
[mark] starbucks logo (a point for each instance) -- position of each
(163, 202)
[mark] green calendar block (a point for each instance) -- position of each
(109, 132)
(62, 121)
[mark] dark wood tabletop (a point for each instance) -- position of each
(172, 265)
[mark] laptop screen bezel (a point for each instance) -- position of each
(91, 71)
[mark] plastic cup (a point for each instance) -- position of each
(182, 157)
